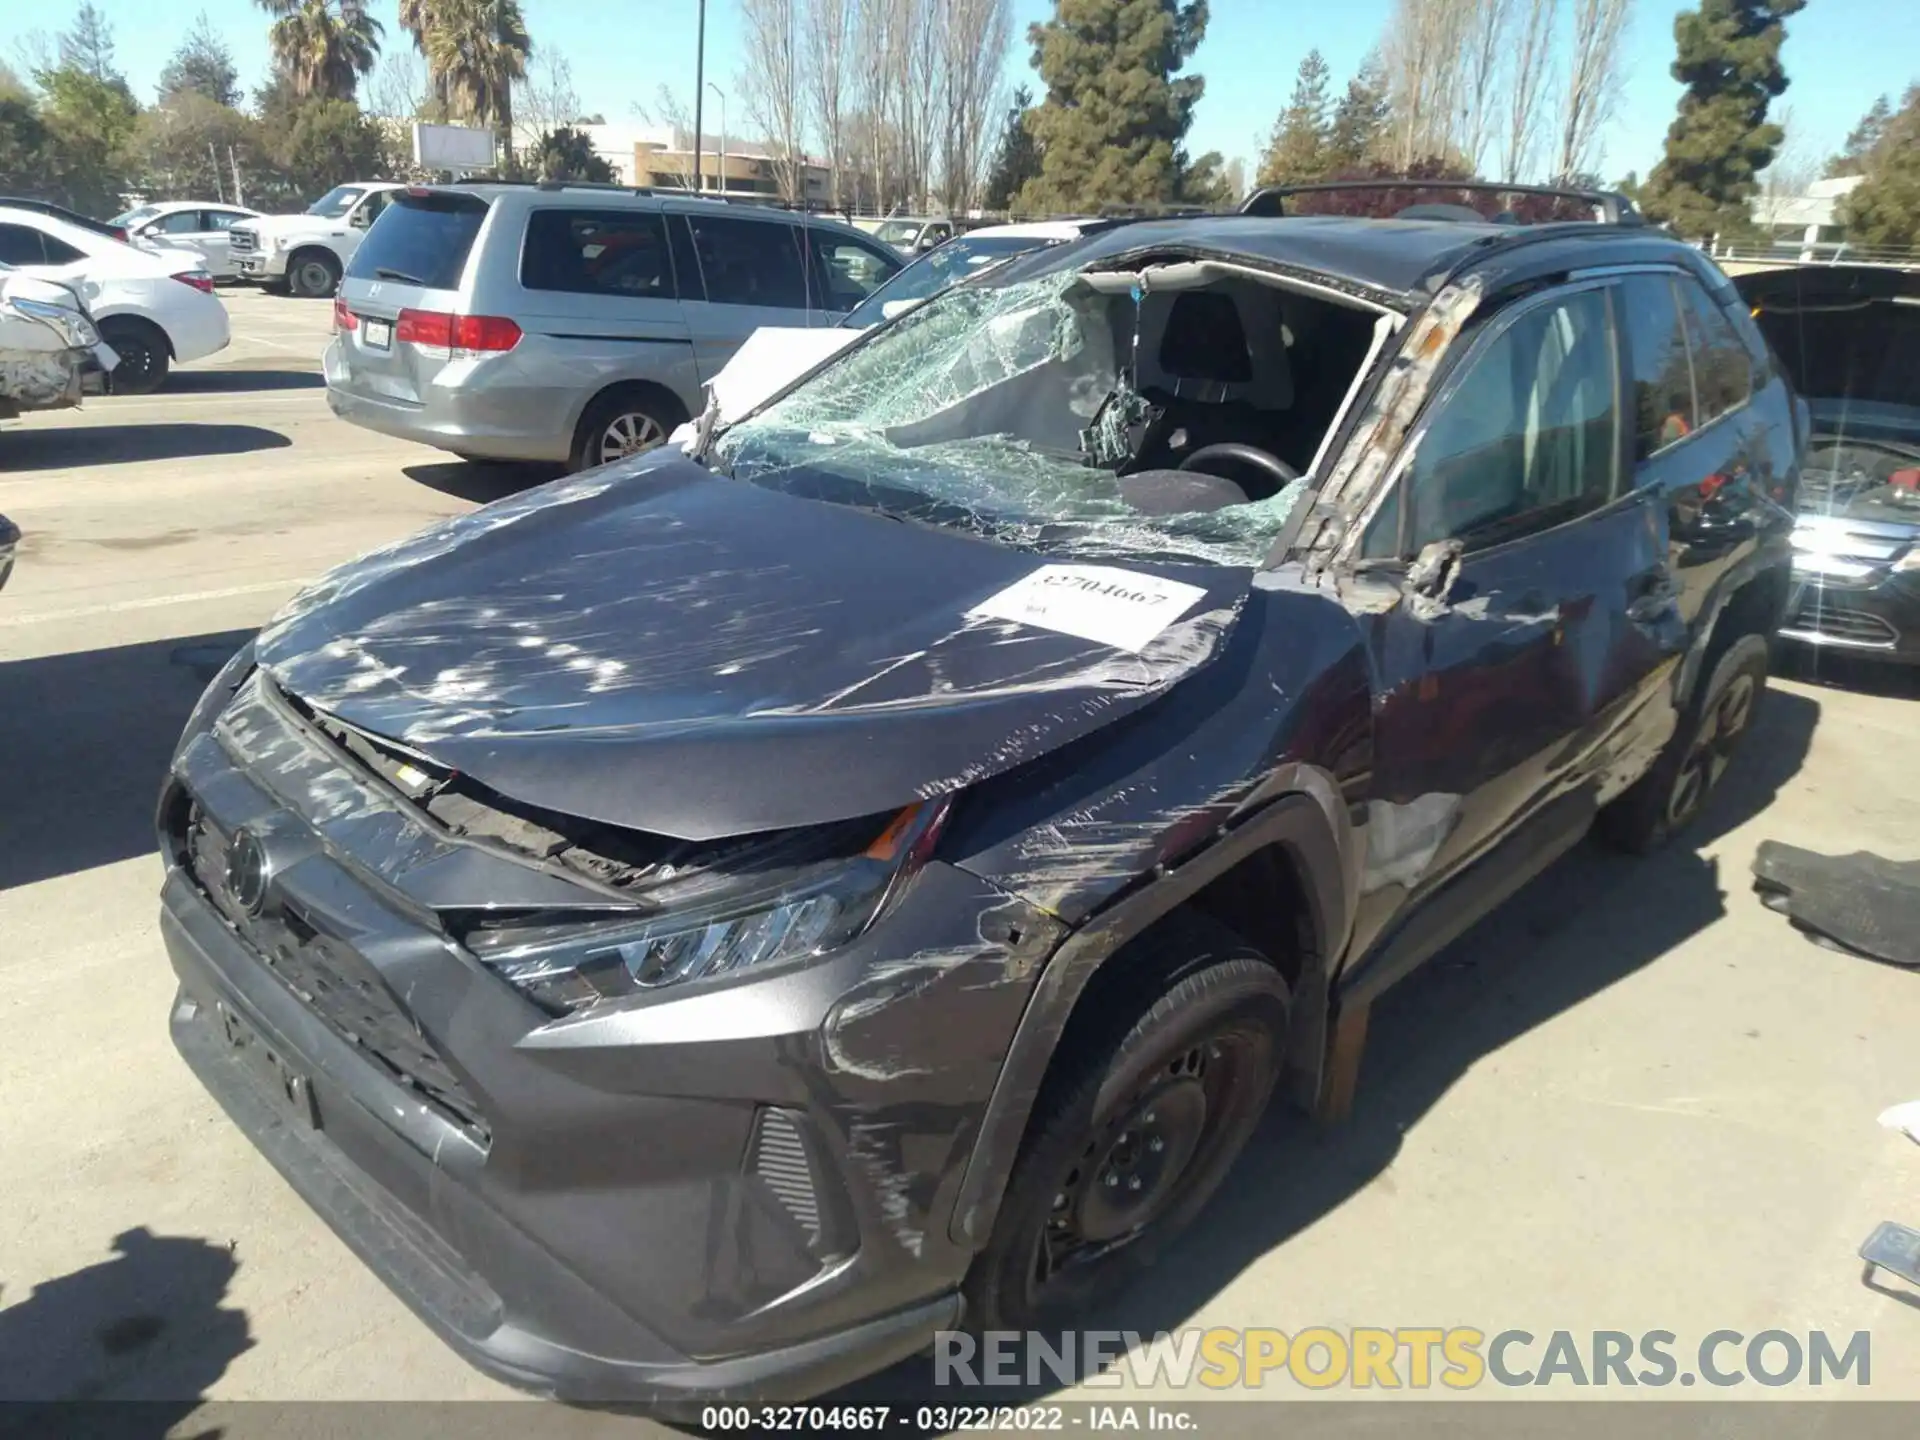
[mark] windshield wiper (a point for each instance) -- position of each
(388, 273)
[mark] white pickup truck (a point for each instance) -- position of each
(307, 253)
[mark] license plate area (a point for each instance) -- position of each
(377, 334)
(289, 1089)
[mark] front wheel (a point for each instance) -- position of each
(1671, 795)
(313, 274)
(143, 351)
(1122, 1157)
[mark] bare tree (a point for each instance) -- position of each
(1487, 26)
(1529, 85)
(399, 89)
(670, 110)
(1426, 56)
(1796, 164)
(830, 26)
(974, 35)
(546, 99)
(1593, 82)
(770, 81)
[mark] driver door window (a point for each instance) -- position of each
(1527, 439)
(369, 210)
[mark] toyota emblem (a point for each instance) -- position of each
(247, 872)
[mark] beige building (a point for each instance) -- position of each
(745, 169)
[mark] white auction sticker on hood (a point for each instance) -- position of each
(1121, 608)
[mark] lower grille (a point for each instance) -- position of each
(779, 1158)
(335, 982)
(1852, 627)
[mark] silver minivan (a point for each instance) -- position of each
(572, 323)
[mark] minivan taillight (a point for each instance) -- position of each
(456, 334)
(343, 318)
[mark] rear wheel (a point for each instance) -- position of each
(313, 274)
(1671, 795)
(1121, 1157)
(622, 424)
(144, 354)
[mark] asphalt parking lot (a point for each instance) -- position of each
(1635, 1100)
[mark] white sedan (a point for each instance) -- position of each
(152, 308)
(187, 225)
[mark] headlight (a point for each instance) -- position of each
(69, 324)
(764, 912)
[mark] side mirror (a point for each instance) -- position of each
(1431, 575)
(358, 220)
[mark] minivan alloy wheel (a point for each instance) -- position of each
(631, 433)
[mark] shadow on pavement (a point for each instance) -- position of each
(1540, 955)
(145, 1325)
(1840, 670)
(75, 446)
(87, 739)
(233, 382)
(481, 481)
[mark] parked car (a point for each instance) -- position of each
(50, 352)
(570, 323)
(911, 236)
(700, 927)
(152, 308)
(188, 225)
(774, 356)
(306, 254)
(107, 228)
(9, 542)
(1849, 336)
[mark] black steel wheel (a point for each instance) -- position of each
(144, 355)
(1122, 1157)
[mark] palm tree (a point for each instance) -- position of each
(416, 18)
(476, 49)
(323, 46)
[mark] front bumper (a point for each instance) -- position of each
(260, 265)
(587, 1209)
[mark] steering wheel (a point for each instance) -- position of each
(1246, 455)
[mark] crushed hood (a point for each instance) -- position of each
(654, 646)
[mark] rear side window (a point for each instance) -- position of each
(59, 252)
(421, 240)
(21, 246)
(598, 252)
(1662, 371)
(749, 262)
(1526, 441)
(180, 222)
(1722, 373)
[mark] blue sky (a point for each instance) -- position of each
(1840, 54)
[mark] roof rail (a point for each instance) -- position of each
(1610, 207)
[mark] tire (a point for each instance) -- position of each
(313, 274)
(145, 356)
(1670, 796)
(1127, 1150)
(642, 418)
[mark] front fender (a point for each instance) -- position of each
(1309, 821)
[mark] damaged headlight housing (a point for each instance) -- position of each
(712, 925)
(69, 324)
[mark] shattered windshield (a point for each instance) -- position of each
(1004, 412)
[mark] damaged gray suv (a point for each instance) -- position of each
(700, 927)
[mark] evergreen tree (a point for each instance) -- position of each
(568, 154)
(204, 65)
(1729, 60)
(88, 45)
(1359, 120)
(1297, 151)
(1860, 140)
(1885, 208)
(1016, 160)
(1116, 113)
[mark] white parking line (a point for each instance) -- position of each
(153, 602)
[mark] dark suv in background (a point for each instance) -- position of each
(701, 926)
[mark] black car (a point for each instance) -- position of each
(9, 542)
(1848, 336)
(700, 927)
